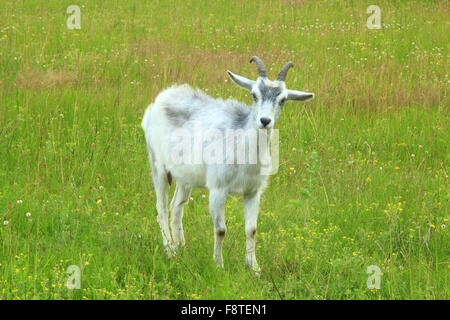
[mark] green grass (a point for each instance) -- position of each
(363, 172)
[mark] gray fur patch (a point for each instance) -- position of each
(269, 93)
(240, 117)
(178, 117)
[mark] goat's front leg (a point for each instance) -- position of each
(251, 208)
(217, 208)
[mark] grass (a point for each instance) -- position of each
(363, 176)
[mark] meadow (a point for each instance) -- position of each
(363, 176)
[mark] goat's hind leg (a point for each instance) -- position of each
(179, 200)
(161, 185)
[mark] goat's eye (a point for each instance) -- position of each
(254, 96)
(282, 101)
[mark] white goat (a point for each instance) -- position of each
(181, 107)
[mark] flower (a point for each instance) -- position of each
(396, 168)
(5, 223)
(28, 214)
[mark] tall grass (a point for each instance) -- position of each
(363, 176)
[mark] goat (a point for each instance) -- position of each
(182, 108)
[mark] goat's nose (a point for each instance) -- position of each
(265, 121)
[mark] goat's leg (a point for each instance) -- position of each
(217, 208)
(251, 208)
(180, 198)
(161, 187)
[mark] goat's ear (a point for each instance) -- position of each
(299, 95)
(241, 81)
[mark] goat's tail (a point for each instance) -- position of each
(146, 124)
(146, 119)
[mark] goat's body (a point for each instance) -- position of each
(181, 107)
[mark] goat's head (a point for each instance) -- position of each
(268, 96)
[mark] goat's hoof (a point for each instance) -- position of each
(178, 239)
(180, 243)
(178, 246)
(255, 269)
(218, 263)
(170, 251)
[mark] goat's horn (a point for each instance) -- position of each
(260, 65)
(284, 71)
